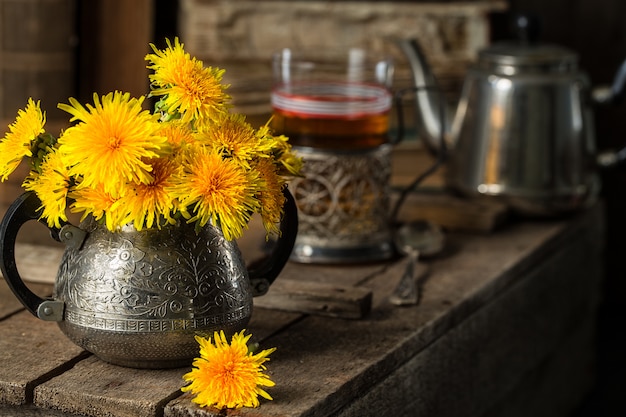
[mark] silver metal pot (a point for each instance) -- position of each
(138, 298)
(523, 129)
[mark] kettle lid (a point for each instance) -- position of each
(522, 57)
(526, 53)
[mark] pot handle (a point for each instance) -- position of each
(615, 93)
(22, 210)
(263, 274)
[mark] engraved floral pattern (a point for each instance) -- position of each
(168, 274)
(125, 257)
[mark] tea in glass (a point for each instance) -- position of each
(335, 111)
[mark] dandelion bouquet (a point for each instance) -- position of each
(191, 158)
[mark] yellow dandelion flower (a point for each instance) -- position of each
(151, 204)
(233, 137)
(228, 376)
(52, 187)
(290, 163)
(219, 190)
(270, 195)
(16, 144)
(111, 142)
(178, 134)
(281, 151)
(99, 204)
(189, 89)
(188, 158)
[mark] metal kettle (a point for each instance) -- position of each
(523, 128)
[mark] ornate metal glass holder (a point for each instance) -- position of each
(343, 203)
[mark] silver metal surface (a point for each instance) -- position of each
(51, 310)
(528, 140)
(415, 239)
(138, 298)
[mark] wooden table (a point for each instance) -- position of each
(505, 327)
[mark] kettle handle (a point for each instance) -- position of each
(264, 273)
(615, 93)
(22, 210)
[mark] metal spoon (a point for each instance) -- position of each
(415, 239)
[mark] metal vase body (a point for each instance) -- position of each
(526, 137)
(137, 298)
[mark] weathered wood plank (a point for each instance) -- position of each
(30, 352)
(265, 323)
(491, 351)
(114, 39)
(30, 410)
(9, 304)
(95, 388)
(352, 275)
(317, 298)
(555, 387)
(38, 263)
(456, 213)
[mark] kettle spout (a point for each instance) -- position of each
(433, 117)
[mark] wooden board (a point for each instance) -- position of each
(309, 297)
(9, 304)
(30, 352)
(38, 263)
(36, 59)
(490, 351)
(515, 295)
(479, 215)
(111, 390)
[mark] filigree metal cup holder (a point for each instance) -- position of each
(343, 201)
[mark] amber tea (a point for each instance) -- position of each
(332, 116)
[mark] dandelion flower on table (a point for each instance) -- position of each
(17, 143)
(228, 375)
(111, 142)
(190, 90)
